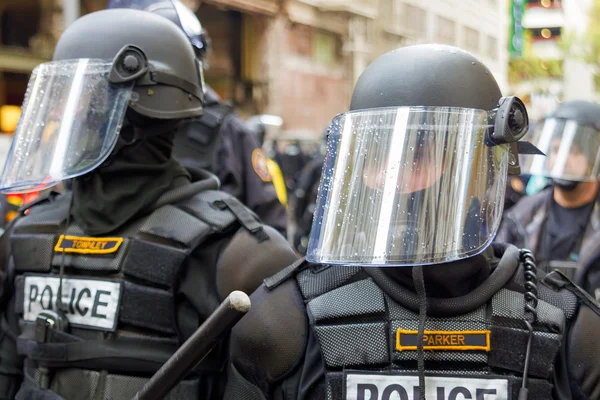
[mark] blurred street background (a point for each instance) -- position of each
(299, 59)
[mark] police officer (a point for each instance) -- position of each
(414, 181)
(104, 282)
(218, 140)
(258, 127)
(561, 223)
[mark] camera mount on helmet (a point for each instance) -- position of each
(509, 123)
(129, 64)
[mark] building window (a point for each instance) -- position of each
(445, 31)
(415, 19)
(300, 39)
(492, 47)
(471, 39)
(324, 48)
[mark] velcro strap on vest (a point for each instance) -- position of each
(245, 217)
(123, 354)
(147, 308)
(203, 206)
(369, 344)
(32, 252)
(508, 350)
(141, 306)
(367, 304)
(165, 262)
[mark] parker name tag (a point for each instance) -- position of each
(90, 303)
(401, 387)
(444, 340)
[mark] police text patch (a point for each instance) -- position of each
(392, 387)
(90, 303)
(87, 245)
(444, 340)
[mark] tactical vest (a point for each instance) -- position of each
(368, 341)
(119, 293)
(197, 138)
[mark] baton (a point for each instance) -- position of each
(231, 310)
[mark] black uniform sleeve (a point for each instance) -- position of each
(267, 345)
(239, 177)
(583, 354)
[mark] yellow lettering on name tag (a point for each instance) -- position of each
(444, 340)
(87, 245)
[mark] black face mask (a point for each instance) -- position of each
(566, 185)
(126, 185)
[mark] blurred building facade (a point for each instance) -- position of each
(543, 71)
(298, 59)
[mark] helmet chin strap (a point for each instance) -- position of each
(566, 184)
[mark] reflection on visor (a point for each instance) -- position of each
(70, 122)
(572, 151)
(408, 186)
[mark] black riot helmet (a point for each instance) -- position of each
(416, 171)
(147, 50)
(106, 64)
(570, 136)
(178, 13)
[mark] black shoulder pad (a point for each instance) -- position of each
(245, 261)
(270, 340)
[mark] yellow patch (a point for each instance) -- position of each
(444, 340)
(259, 163)
(87, 245)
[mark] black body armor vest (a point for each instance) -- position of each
(368, 340)
(197, 138)
(118, 293)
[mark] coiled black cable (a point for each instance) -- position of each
(531, 302)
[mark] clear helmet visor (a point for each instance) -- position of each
(408, 186)
(572, 151)
(70, 123)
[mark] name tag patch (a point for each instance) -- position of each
(444, 340)
(90, 303)
(87, 245)
(397, 387)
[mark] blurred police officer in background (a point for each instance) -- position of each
(218, 141)
(104, 282)
(257, 124)
(561, 224)
(414, 181)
